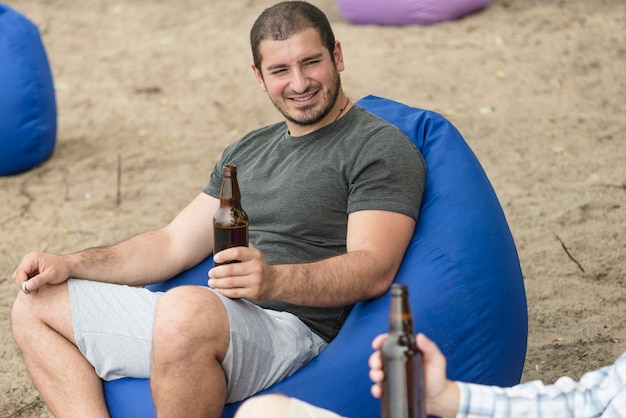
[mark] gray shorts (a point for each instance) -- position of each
(113, 330)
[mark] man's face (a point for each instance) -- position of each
(301, 79)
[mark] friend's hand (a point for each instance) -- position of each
(251, 278)
(439, 391)
(38, 269)
(376, 366)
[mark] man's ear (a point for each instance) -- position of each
(259, 77)
(338, 56)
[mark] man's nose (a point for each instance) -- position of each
(299, 81)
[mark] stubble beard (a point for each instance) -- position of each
(311, 115)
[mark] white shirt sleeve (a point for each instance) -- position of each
(600, 393)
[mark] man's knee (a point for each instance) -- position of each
(19, 318)
(190, 316)
(48, 307)
(265, 406)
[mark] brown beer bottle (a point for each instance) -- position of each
(403, 387)
(230, 222)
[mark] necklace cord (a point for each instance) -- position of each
(342, 109)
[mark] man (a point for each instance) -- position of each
(332, 195)
(600, 393)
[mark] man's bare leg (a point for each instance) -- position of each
(265, 406)
(190, 340)
(42, 328)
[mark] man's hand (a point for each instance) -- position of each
(38, 269)
(251, 278)
(442, 395)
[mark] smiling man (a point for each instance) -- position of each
(332, 194)
(300, 80)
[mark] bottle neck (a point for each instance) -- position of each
(400, 319)
(230, 194)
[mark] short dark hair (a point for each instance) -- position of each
(288, 18)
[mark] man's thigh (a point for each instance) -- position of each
(265, 347)
(113, 327)
(113, 330)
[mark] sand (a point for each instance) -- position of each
(159, 88)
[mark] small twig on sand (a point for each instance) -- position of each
(119, 179)
(568, 253)
(18, 413)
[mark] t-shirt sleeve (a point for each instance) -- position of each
(389, 174)
(215, 182)
(214, 185)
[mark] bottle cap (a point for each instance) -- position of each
(399, 289)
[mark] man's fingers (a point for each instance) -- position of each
(24, 288)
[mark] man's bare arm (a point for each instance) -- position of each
(145, 258)
(376, 243)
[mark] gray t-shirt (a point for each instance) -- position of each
(299, 191)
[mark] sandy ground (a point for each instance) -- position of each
(537, 88)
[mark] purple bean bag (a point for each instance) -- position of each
(28, 116)
(406, 12)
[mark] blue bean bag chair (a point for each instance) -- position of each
(28, 117)
(406, 12)
(465, 286)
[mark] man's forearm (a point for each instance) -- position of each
(336, 281)
(376, 243)
(140, 260)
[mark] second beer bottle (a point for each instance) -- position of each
(403, 387)
(230, 222)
